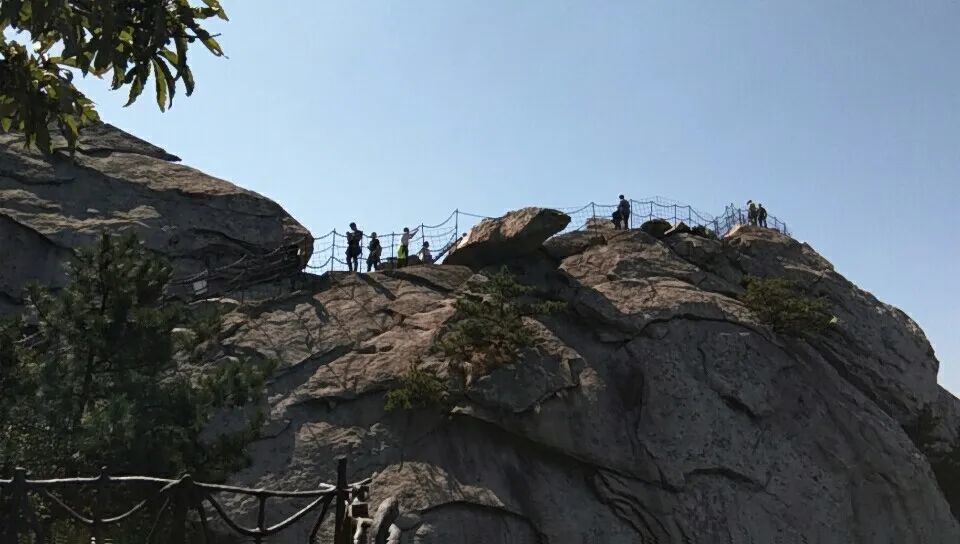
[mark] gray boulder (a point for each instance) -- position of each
(656, 227)
(518, 233)
(679, 228)
(598, 223)
(50, 205)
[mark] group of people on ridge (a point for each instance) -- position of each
(756, 214)
(375, 249)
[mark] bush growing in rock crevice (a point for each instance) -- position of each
(486, 332)
(418, 388)
(781, 304)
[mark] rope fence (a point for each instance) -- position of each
(329, 250)
(180, 511)
(327, 253)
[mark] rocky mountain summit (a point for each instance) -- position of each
(655, 407)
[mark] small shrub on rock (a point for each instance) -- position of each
(487, 331)
(418, 388)
(781, 304)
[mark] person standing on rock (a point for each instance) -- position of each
(761, 215)
(751, 212)
(624, 209)
(404, 252)
(354, 238)
(375, 249)
(616, 219)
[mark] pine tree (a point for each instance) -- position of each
(487, 330)
(108, 376)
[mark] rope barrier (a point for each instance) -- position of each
(327, 253)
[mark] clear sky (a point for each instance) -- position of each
(843, 117)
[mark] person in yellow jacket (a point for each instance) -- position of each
(404, 252)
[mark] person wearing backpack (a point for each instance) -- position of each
(375, 249)
(624, 209)
(761, 215)
(354, 238)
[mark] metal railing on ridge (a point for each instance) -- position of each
(327, 253)
(329, 250)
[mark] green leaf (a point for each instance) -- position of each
(170, 56)
(188, 81)
(161, 86)
(215, 5)
(135, 90)
(165, 82)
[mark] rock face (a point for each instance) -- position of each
(518, 233)
(116, 182)
(656, 408)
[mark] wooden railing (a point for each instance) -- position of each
(29, 509)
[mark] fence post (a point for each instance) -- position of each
(333, 249)
(593, 210)
(340, 533)
(98, 505)
(456, 223)
(12, 526)
(180, 504)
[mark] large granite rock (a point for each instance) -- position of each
(519, 233)
(50, 205)
(656, 408)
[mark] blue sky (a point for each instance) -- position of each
(842, 117)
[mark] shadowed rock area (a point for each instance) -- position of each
(115, 182)
(655, 408)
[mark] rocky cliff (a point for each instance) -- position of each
(115, 182)
(655, 408)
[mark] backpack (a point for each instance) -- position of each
(624, 207)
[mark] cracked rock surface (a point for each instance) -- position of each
(654, 409)
(115, 182)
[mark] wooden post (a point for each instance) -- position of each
(341, 533)
(11, 527)
(333, 249)
(98, 505)
(179, 506)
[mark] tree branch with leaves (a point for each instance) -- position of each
(127, 41)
